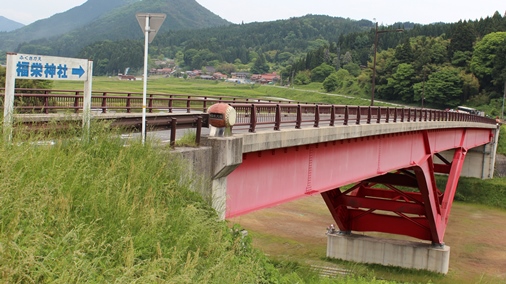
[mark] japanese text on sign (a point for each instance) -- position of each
(49, 68)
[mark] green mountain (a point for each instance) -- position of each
(61, 23)
(7, 25)
(280, 43)
(98, 20)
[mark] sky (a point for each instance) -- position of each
(238, 11)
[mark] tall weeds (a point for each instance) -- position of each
(95, 210)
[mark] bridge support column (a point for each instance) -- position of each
(413, 255)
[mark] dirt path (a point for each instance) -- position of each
(296, 231)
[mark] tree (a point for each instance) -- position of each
(226, 68)
(482, 62)
(321, 72)
(461, 58)
(470, 86)
(260, 66)
(331, 83)
(462, 38)
(353, 68)
(499, 69)
(179, 58)
(404, 52)
(401, 83)
(443, 89)
(188, 56)
(302, 78)
(347, 58)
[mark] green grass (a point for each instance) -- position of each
(311, 93)
(501, 145)
(490, 192)
(97, 211)
(188, 139)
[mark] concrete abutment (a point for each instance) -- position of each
(209, 167)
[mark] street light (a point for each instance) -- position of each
(376, 32)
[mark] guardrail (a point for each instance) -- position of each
(48, 101)
(254, 116)
(252, 113)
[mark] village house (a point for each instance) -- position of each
(265, 78)
(240, 75)
(220, 76)
(209, 70)
(160, 71)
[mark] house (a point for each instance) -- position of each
(240, 75)
(194, 73)
(265, 78)
(209, 70)
(160, 71)
(219, 76)
(207, 77)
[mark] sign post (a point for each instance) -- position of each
(150, 24)
(41, 67)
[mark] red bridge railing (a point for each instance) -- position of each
(51, 101)
(253, 114)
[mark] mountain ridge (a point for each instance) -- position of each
(7, 25)
(112, 19)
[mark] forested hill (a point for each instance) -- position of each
(66, 33)
(7, 25)
(295, 35)
(277, 42)
(60, 23)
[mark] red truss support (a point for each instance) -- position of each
(405, 202)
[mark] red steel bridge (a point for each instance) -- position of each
(375, 167)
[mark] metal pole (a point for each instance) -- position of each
(10, 90)
(145, 85)
(502, 110)
(88, 84)
(374, 64)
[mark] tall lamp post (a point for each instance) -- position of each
(376, 32)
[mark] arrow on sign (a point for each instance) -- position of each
(78, 71)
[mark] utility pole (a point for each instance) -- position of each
(376, 32)
(503, 97)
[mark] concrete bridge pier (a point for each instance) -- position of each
(406, 254)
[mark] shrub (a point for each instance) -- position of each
(331, 83)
